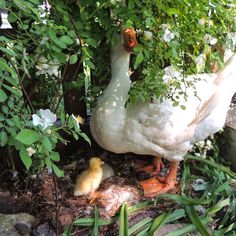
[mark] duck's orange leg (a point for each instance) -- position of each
(154, 187)
(154, 168)
(93, 196)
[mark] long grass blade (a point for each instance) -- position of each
(96, 222)
(139, 226)
(196, 220)
(159, 221)
(186, 200)
(123, 229)
(187, 229)
(213, 164)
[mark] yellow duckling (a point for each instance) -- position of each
(89, 180)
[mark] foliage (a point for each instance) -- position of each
(34, 60)
(207, 204)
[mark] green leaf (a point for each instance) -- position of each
(3, 65)
(139, 59)
(123, 228)
(213, 164)
(66, 39)
(196, 220)
(73, 59)
(57, 171)
(27, 136)
(55, 156)
(55, 39)
(173, 11)
(8, 51)
(26, 159)
(48, 162)
(13, 90)
(186, 200)
(85, 137)
(139, 226)
(159, 221)
(47, 143)
(3, 138)
(219, 205)
(3, 96)
(96, 220)
(2, 4)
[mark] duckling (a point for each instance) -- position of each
(108, 171)
(89, 180)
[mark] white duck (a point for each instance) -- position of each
(159, 128)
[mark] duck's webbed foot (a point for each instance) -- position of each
(155, 186)
(152, 169)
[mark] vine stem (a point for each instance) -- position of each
(56, 203)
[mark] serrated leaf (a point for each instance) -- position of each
(57, 171)
(3, 96)
(3, 138)
(26, 159)
(27, 136)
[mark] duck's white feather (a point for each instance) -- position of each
(159, 128)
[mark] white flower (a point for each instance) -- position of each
(202, 21)
(77, 40)
(147, 35)
(44, 40)
(213, 41)
(30, 151)
(49, 131)
(210, 40)
(4, 18)
(47, 118)
(44, 67)
(78, 120)
(168, 35)
(164, 26)
(44, 10)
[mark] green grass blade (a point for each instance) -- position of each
(176, 215)
(159, 221)
(144, 232)
(196, 220)
(68, 229)
(139, 206)
(139, 226)
(213, 164)
(123, 229)
(187, 229)
(186, 200)
(218, 206)
(96, 223)
(185, 178)
(90, 221)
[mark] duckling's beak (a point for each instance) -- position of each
(130, 40)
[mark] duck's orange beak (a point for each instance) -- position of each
(130, 40)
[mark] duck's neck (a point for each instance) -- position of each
(119, 86)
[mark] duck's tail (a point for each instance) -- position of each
(224, 82)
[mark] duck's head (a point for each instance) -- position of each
(129, 39)
(95, 162)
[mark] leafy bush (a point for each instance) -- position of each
(47, 39)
